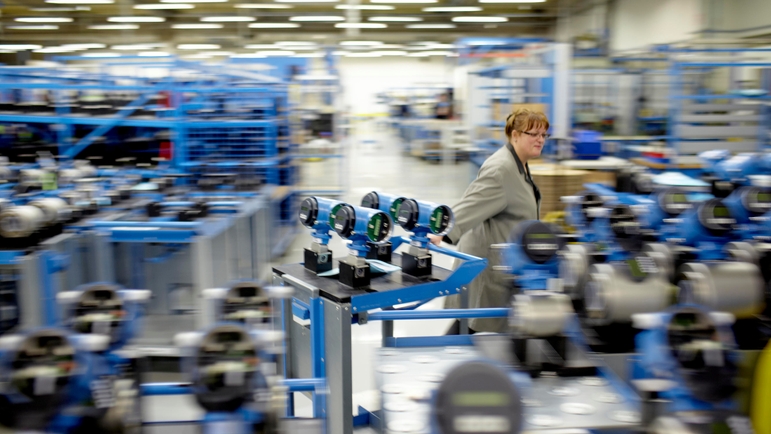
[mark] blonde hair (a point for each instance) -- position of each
(524, 120)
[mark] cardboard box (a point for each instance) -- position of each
(556, 181)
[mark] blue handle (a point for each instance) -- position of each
(391, 315)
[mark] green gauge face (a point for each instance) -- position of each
(716, 217)
(484, 398)
(379, 227)
(758, 200)
(720, 211)
(395, 207)
(333, 214)
(440, 219)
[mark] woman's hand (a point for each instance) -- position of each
(435, 239)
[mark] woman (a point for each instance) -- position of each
(502, 196)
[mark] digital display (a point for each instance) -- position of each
(679, 197)
(540, 236)
(764, 197)
(634, 268)
(480, 399)
(229, 337)
(721, 211)
(376, 223)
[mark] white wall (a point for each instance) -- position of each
(740, 15)
(640, 23)
(364, 77)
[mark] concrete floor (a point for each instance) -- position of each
(374, 161)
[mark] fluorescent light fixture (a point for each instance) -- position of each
(162, 6)
(360, 43)
(136, 19)
(273, 26)
(390, 46)
(136, 47)
(339, 53)
(88, 46)
(403, 2)
(33, 27)
(306, 1)
(391, 52)
(219, 53)
(512, 1)
(485, 42)
(154, 54)
(294, 43)
(360, 26)
(431, 26)
(114, 27)
(248, 56)
(61, 9)
(276, 53)
(440, 47)
(261, 47)
(196, 26)
(365, 7)
(432, 53)
(261, 6)
(387, 19)
(43, 20)
(20, 47)
(309, 55)
(103, 55)
(317, 18)
(453, 9)
(53, 50)
(194, 1)
(198, 47)
(228, 19)
(474, 19)
(197, 56)
(368, 54)
(80, 2)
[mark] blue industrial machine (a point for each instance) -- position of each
(360, 226)
(387, 203)
(736, 169)
(421, 219)
(578, 212)
(55, 383)
(318, 214)
(228, 380)
(531, 256)
(686, 370)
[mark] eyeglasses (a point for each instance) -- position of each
(543, 136)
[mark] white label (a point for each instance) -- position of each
(101, 327)
(481, 423)
(103, 393)
(542, 246)
(234, 378)
(721, 221)
(44, 385)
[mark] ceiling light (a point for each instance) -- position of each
(228, 19)
(261, 6)
(20, 47)
(276, 53)
(317, 18)
(61, 9)
(512, 1)
(360, 26)
(43, 27)
(473, 19)
(339, 53)
(136, 19)
(104, 55)
(219, 53)
(136, 47)
(166, 6)
(453, 9)
(197, 56)
(390, 46)
(396, 19)
(295, 43)
(261, 46)
(369, 54)
(248, 56)
(43, 20)
(360, 43)
(194, 1)
(89, 46)
(114, 27)
(431, 26)
(154, 54)
(366, 7)
(53, 50)
(196, 26)
(391, 52)
(198, 47)
(80, 2)
(273, 26)
(309, 55)
(440, 47)
(306, 1)
(405, 1)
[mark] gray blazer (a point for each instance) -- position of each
(502, 195)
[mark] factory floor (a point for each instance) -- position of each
(374, 161)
